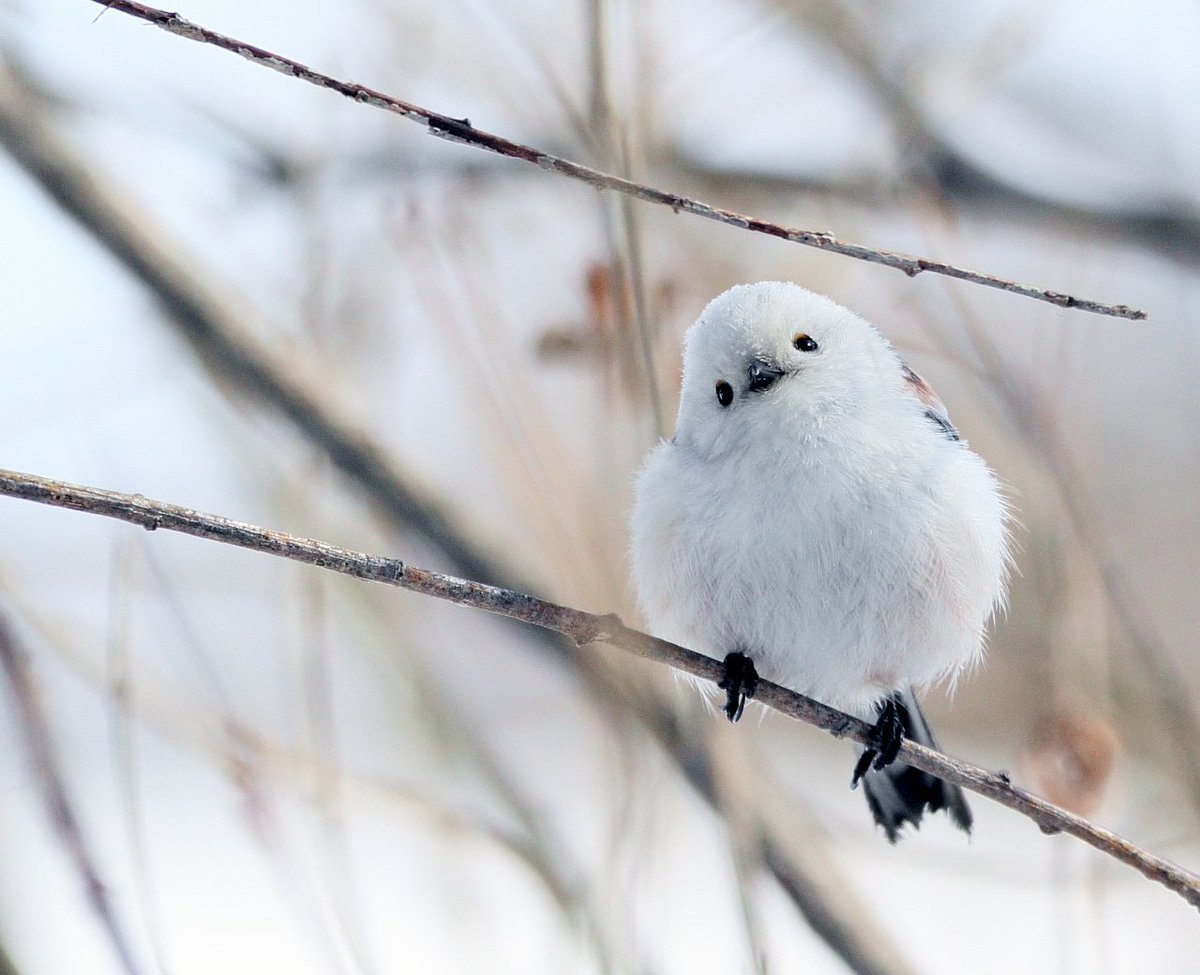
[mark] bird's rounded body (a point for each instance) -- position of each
(826, 522)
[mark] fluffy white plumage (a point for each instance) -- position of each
(827, 522)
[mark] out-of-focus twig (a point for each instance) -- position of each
(220, 341)
(1170, 233)
(461, 130)
(1031, 415)
(125, 759)
(935, 163)
(62, 815)
(223, 343)
(610, 134)
(584, 628)
(7, 965)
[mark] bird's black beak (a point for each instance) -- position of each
(762, 375)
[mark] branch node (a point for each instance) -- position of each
(606, 626)
(459, 129)
(585, 628)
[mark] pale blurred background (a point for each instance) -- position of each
(274, 769)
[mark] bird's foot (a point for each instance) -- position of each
(883, 740)
(740, 682)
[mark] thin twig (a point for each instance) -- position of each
(610, 132)
(1173, 234)
(584, 628)
(35, 728)
(123, 694)
(462, 131)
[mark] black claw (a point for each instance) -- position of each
(863, 766)
(740, 682)
(883, 741)
(889, 733)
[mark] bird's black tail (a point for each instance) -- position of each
(899, 793)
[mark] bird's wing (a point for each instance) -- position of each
(934, 408)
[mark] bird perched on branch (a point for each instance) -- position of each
(817, 519)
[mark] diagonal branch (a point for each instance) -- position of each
(584, 628)
(218, 338)
(461, 130)
(62, 810)
(223, 343)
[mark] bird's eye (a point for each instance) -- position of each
(804, 343)
(724, 392)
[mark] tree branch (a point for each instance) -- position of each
(223, 342)
(1171, 234)
(461, 130)
(59, 806)
(584, 628)
(220, 341)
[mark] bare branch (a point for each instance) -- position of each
(222, 341)
(584, 628)
(34, 727)
(1169, 233)
(461, 130)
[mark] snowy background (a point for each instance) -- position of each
(279, 770)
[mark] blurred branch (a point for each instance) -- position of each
(35, 728)
(127, 772)
(585, 628)
(224, 345)
(461, 130)
(805, 873)
(1033, 417)
(7, 966)
(218, 336)
(939, 165)
(769, 829)
(257, 763)
(1173, 234)
(610, 134)
(1179, 713)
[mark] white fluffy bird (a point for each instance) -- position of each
(817, 520)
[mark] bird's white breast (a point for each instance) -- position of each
(845, 565)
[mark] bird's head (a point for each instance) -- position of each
(772, 358)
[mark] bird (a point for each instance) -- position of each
(817, 520)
